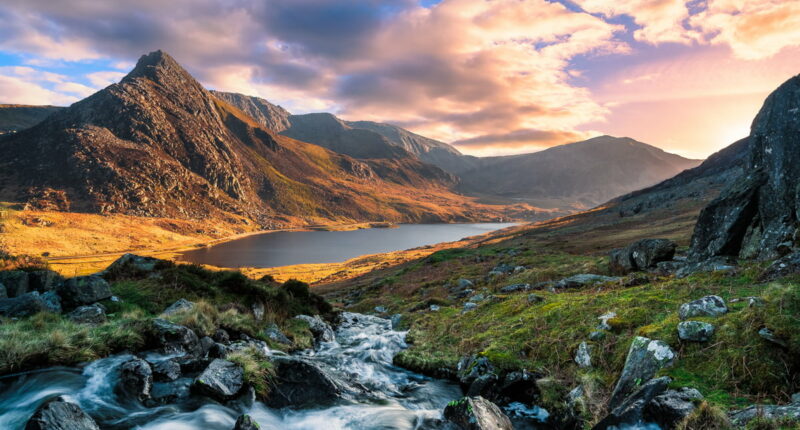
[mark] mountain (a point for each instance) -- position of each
(269, 115)
(14, 118)
(158, 144)
(580, 175)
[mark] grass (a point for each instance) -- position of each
(258, 370)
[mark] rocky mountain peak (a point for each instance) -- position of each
(159, 67)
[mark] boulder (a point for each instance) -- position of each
(83, 290)
(245, 422)
(783, 413)
(206, 343)
(769, 336)
(645, 358)
(671, 407)
(181, 305)
(29, 304)
(92, 314)
(465, 283)
(695, 331)
(513, 288)
(166, 370)
(501, 269)
(135, 379)
(469, 306)
(519, 387)
(380, 309)
(222, 380)
(708, 306)
(535, 298)
(274, 333)
(16, 282)
(321, 330)
(301, 383)
(173, 338)
(476, 413)
(130, 265)
(470, 368)
(486, 386)
(221, 336)
(583, 356)
(44, 280)
(583, 280)
(164, 393)
(641, 255)
(631, 409)
(258, 311)
(781, 268)
(59, 414)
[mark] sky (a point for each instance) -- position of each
(491, 77)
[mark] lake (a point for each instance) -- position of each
(286, 248)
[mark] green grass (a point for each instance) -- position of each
(258, 370)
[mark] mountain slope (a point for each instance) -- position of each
(581, 175)
(19, 117)
(159, 144)
(269, 115)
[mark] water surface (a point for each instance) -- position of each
(286, 248)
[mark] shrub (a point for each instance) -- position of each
(297, 289)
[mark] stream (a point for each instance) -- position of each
(361, 354)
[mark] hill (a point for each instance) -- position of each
(14, 118)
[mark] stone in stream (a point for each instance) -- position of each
(135, 379)
(301, 383)
(477, 413)
(274, 333)
(83, 290)
(173, 338)
(671, 407)
(321, 330)
(645, 358)
(92, 314)
(695, 331)
(245, 422)
(166, 370)
(631, 409)
(708, 306)
(59, 414)
(222, 380)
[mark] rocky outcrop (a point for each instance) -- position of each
(135, 379)
(274, 333)
(271, 116)
(16, 282)
(641, 255)
(476, 413)
(222, 380)
(59, 414)
(708, 306)
(781, 268)
(645, 358)
(756, 216)
(83, 290)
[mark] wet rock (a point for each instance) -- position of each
(130, 265)
(486, 386)
(166, 370)
(221, 336)
(245, 422)
(16, 282)
(29, 304)
(535, 298)
(583, 280)
(645, 358)
(780, 268)
(796, 398)
(520, 387)
(470, 368)
(708, 306)
(44, 280)
(396, 320)
(135, 379)
(513, 288)
(671, 407)
(173, 338)
(193, 364)
(274, 333)
(641, 255)
(206, 343)
(476, 413)
(181, 305)
(83, 290)
(218, 350)
(321, 330)
(695, 331)
(92, 314)
(300, 384)
(59, 414)
(768, 335)
(583, 356)
(631, 409)
(170, 392)
(785, 412)
(222, 380)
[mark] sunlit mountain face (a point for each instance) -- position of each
(493, 78)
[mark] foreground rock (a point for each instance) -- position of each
(135, 379)
(631, 409)
(29, 304)
(245, 422)
(93, 314)
(83, 290)
(321, 330)
(645, 358)
(15, 282)
(58, 414)
(671, 407)
(708, 306)
(301, 384)
(222, 380)
(476, 413)
(641, 255)
(695, 331)
(173, 338)
(182, 305)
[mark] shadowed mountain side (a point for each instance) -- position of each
(19, 117)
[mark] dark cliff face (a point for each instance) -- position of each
(757, 215)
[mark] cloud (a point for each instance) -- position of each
(104, 78)
(659, 20)
(17, 90)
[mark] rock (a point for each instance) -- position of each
(604, 320)
(29, 304)
(83, 290)
(695, 331)
(597, 335)
(796, 398)
(513, 288)
(434, 308)
(16, 282)
(671, 407)
(193, 364)
(181, 305)
(755, 216)
(465, 283)
(501, 269)
(716, 264)
(645, 358)
(380, 309)
(785, 412)
(583, 280)
(583, 356)
(130, 265)
(641, 255)
(3, 292)
(276, 335)
(631, 409)
(321, 330)
(170, 392)
(301, 383)
(218, 350)
(476, 413)
(518, 269)
(173, 338)
(245, 422)
(206, 343)
(93, 314)
(221, 336)
(59, 414)
(780, 268)
(485, 386)
(222, 380)
(396, 320)
(258, 311)
(135, 379)
(708, 306)
(470, 368)
(535, 298)
(44, 280)
(770, 336)
(520, 387)
(166, 370)
(477, 298)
